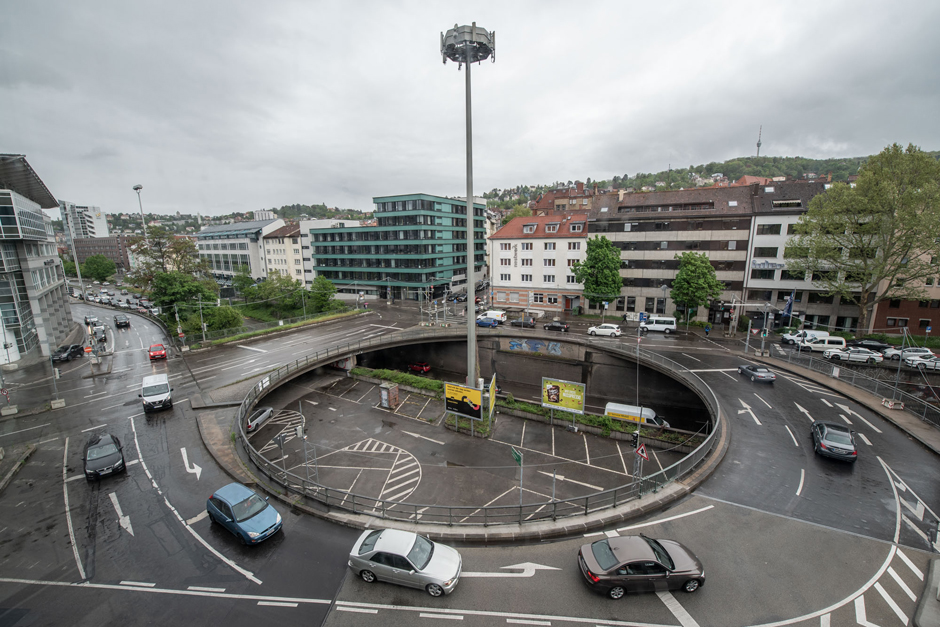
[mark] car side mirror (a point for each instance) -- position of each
(140, 396)
(171, 389)
(266, 498)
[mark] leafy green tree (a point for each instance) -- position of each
(224, 317)
(68, 267)
(518, 211)
(244, 284)
(163, 251)
(695, 283)
(98, 267)
(878, 240)
(322, 292)
(277, 292)
(169, 288)
(600, 270)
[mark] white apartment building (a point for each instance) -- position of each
(531, 263)
(82, 221)
(230, 247)
(282, 252)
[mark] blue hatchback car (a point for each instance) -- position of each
(487, 322)
(251, 518)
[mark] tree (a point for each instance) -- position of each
(878, 240)
(276, 291)
(163, 251)
(218, 318)
(322, 294)
(600, 270)
(98, 267)
(169, 288)
(695, 283)
(244, 284)
(518, 211)
(68, 267)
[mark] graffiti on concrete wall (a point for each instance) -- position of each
(539, 347)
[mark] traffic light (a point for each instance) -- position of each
(636, 438)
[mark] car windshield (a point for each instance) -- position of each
(661, 555)
(761, 370)
(839, 437)
(97, 452)
(420, 554)
(153, 390)
(369, 543)
(249, 507)
(156, 348)
(604, 556)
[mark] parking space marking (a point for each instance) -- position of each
(587, 453)
(366, 394)
(685, 619)
(622, 460)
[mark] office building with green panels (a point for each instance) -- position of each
(418, 244)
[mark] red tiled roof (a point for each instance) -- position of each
(290, 230)
(514, 230)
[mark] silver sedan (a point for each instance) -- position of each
(406, 559)
(854, 354)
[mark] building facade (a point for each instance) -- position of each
(419, 243)
(229, 248)
(114, 247)
(82, 221)
(282, 252)
(305, 227)
(532, 259)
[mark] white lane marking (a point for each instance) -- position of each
(528, 570)
(860, 617)
(802, 477)
(277, 604)
(97, 394)
(587, 453)
(850, 411)
(124, 521)
(828, 404)
(197, 517)
(911, 565)
(26, 429)
(795, 443)
(138, 584)
(727, 375)
(202, 589)
(68, 515)
(415, 435)
(804, 411)
(522, 439)
(910, 594)
(847, 421)
(715, 370)
(685, 619)
(662, 520)
(824, 620)
(440, 616)
(343, 608)
(524, 621)
(248, 574)
(93, 428)
(763, 401)
(690, 357)
(332, 409)
(864, 439)
(894, 606)
(622, 460)
(251, 348)
(49, 440)
(75, 478)
(563, 478)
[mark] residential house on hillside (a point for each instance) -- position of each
(562, 199)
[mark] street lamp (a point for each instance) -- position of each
(143, 223)
(465, 45)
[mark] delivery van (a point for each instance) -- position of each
(659, 323)
(495, 314)
(633, 413)
(155, 393)
(821, 344)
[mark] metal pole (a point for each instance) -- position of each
(55, 387)
(303, 438)
(747, 340)
(303, 302)
(521, 469)
(143, 222)
(471, 327)
(897, 377)
(763, 331)
(202, 324)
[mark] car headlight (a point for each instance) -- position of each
(277, 521)
(119, 463)
(253, 534)
(449, 582)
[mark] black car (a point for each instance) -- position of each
(528, 323)
(68, 352)
(833, 440)
(556, 326)
(873, 345)
(120, 320)
(103, 456)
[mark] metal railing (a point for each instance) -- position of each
(469, 514)
(922, 408)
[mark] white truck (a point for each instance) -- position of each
(799, 337)
(633, 413)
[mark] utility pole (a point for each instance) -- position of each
(202, 324)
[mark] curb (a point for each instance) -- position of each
(16, 467)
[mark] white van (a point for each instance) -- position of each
(495, 314)
(155, 393)
(633, 413)
(801, 336)
(659, 323)
(820, 344)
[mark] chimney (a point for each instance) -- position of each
(580, 186)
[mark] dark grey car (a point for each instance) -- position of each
(615, 566)
(103, 455)
(834, 440)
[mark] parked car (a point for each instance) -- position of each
(834, 440)
(91, 320)
(460, 298)
(930, 363)
(123, 304)
(257, 418)
(896, 353)
(487, 322)
(554, 325)
(406, 559)
(615, 566)
(527, 323)
(873, 345)
(248, 516)
(913, 360)
(157, 351)
(854, 354)
(421, 367)
(610, 330)
(757, 373)
(68, 352)
(102, 456)
(120, 320)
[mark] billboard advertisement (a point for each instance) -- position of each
(563, 395)
(462, 400)
(492, 390)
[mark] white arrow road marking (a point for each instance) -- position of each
(124, 520)
(849, 410)
(917, 511)
(415, 435)
(747, 410)
(528, 570)
(562, 478)
(804, 411)
(196, 470)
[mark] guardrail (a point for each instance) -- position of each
(468, 514)
(926, 411)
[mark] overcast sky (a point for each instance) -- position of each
(228, 106)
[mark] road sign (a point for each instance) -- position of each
(641, 451)
(516, 455)
(4, 391)
(88, 349)
(928, 329)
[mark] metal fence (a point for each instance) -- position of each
(464, 514)
(922, 408)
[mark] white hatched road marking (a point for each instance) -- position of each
(911, 565)
(910, 594)
(894, 606)
(685, 619)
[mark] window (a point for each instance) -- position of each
(548, 263)
(552, 300)
(620, 304)
(650, 304)
(923, 303)
(732, 245)
(551, 228)
(526, 278)
(525, 262)
(923, 323)
(528, 228)
(296, 251)
(763, 274)
(787, 275)
(765, 251)
(500, 295)
(538, 298)
(513, 297)
(574, 245)
(782, 296)
(894, 303)
(526, 245)
(817, 298)
(577, 228)
(928, 281)
(768, 229)
(935, 304)
(571, 280)
(571, 262)
(548, 278)
(768, 190)
(549, 245)
(897, 322)
(505, 246)
(506, 262)
(631, 303)
(663, 245)
(660, 305)
(661, 226)
(504, 277)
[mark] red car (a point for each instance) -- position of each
(420, 367)
(157, 351)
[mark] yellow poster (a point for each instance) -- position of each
(492, 394)
(563, 395)
(462, 400)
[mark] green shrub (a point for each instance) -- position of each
(480, 426)
(432, 385)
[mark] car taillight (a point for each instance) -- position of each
(823, 446)
(593, 577)
(853, 453)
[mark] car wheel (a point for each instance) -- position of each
(367, 576)
(594, 333)
(753, 378)
(871, 360)
(740, 370)
(616, 592)
(691, 585)
(434, 590)
(895, 357)
(69, 358)
(668, 331)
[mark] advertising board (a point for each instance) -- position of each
(463, 400)
(563, 395)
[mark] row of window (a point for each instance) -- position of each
(224, 246)
(548, 263)
(683, 245)
(280, 251)
(514, 297)
(425, 205)
(506, 246)
(728, 224)
(552, 227)
(923, 323)
(381, 236)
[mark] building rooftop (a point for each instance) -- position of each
(237, 228)
(538, 227)
(16, 174)
(288, 230)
